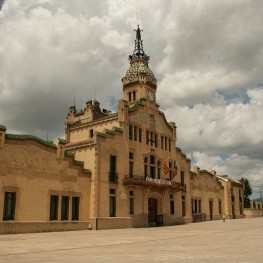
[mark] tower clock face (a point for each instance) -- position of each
(151, 96)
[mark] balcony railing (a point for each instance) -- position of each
(199, 217)
(154, 183)
(113, 177)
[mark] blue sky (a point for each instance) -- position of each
(207, 57)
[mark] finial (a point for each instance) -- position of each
(138, 52)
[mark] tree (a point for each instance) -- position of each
(247, 191)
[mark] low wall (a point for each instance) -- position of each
(249, 212)
(110, 223)
(12, 227)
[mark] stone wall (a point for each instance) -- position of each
(13, 227)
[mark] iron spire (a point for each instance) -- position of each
(138, 52)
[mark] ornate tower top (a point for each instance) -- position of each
(139, 69)
(138, 52)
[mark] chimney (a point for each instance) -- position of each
(196, 169)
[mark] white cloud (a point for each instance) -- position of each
(236, 166)
(207, 56)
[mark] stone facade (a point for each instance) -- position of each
(255, 210)
(233, 196)
(207, 195)
(130, 172)
(32, 172)
(139, 177)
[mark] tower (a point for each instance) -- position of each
(139, 81)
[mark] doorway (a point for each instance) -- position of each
(152, 212)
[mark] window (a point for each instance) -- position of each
(170, 170)
(195, 206)
(172, 204)
(152, 166)
(183, 206)
(113, 177)
(162, 140)
(134, 95)
(145, 167)
(112, 203)
(140, 135)
(159, 170)
(131, 164)
(155, 140)
(9, 206)
(75, 208)
(91, 134)
(53, 207)
(64, 207)
(151, 138)
(166, 143)
(131, 202)
(135, 133)
(130, 132)
(147, 137)
(182, 178)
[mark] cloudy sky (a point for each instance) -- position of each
(207, 56)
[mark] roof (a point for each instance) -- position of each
(30, 137)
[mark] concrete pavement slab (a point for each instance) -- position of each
(214, 241)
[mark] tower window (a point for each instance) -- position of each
(134, 95)
(130, 96)
(91, 134)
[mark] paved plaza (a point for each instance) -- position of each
(233, 241)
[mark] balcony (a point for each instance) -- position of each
(153, 183)
(113, 177)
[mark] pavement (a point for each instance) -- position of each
(238, 240)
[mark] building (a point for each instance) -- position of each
(42, 187)
(255, 208)
(233, 197)
(207, 195)
(113, 170)
(139, 177)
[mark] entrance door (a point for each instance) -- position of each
(152, 212)
(211, 209)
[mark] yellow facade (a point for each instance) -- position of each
(31, 173)
(129, 172)
(207, 194)
(139, 177)
(233, 196)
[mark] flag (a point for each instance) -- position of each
(165, 168)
